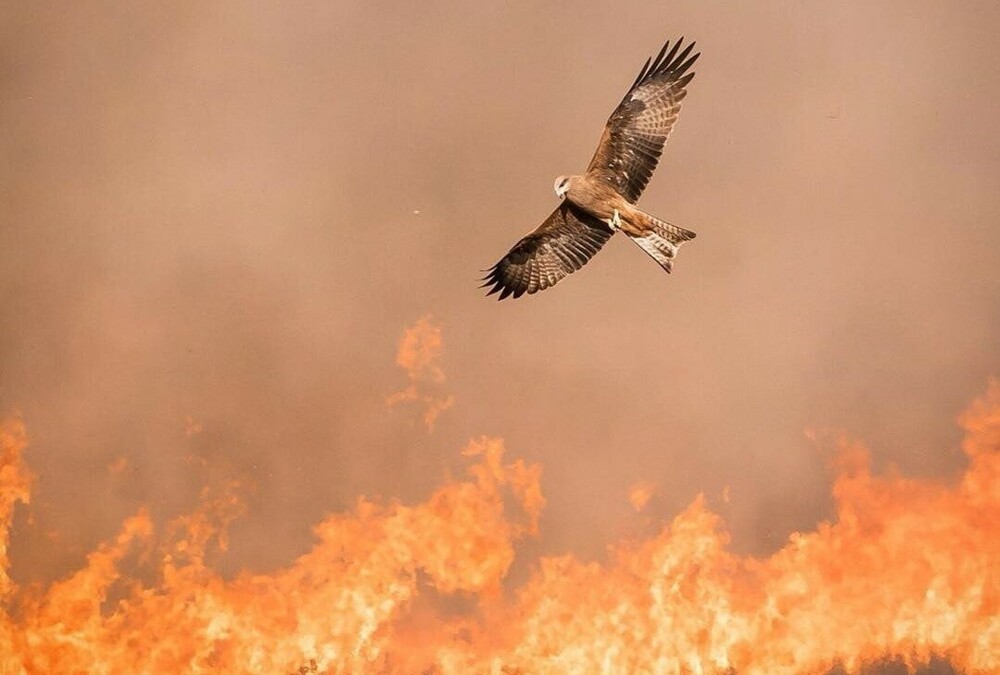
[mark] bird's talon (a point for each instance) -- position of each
(615, 221)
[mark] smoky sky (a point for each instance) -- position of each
(217, 220)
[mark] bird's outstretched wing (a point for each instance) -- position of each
(561, 245)
(635, 133)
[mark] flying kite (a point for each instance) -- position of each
(602, 201)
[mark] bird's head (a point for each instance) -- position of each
(561, 186)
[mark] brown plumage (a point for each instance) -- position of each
(602, 200)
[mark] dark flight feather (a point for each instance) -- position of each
(562, 244)
(634, 135)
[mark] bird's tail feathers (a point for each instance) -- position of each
(662, 240)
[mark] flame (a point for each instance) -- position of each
(192, 427)
(906, 570)
(640, 494)
(118, 465)
(15, 486)
(418, 354)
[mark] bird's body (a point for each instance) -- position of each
(602, 201)
(599, 199)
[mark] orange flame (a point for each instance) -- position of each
(418, 354)
(640, 494)
(907, 569)
(15, 486)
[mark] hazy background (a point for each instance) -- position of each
(216, 222)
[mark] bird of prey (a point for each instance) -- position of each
(602, 201)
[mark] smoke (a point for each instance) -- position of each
(219, 218)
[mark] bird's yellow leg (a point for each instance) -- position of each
(615, 221)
